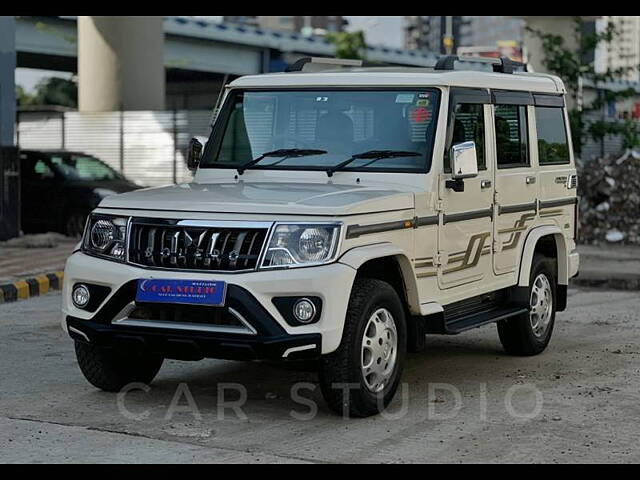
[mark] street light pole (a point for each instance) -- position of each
(447, 39)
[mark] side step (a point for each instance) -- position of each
(459, 324)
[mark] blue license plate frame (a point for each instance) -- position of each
(210, 293)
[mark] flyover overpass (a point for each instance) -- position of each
(198, 55)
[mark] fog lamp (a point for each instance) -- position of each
(80, 296)
(304, 310)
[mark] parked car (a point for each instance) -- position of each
(339, 216)
(60, 188)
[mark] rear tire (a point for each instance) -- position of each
(529, 333)
(110, 370)
(361, 377)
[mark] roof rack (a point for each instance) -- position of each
(321, 63)
(500, 65)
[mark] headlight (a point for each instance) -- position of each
(106, 236)
(300, 245)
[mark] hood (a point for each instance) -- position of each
(266, 197)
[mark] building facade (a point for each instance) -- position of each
(483, 33)
(490, 31)
(293, 23)
(624, 51)
(438, 34)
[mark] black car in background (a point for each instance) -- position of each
(60, 188)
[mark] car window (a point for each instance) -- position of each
(512, 139)
(553, 147)
(469, 127)
(78, 167)
(41, 170)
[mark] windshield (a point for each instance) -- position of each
(76, 167)
(341, 123)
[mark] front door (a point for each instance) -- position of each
(465, 234)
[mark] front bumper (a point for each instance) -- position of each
(249, 293)
(179, 345)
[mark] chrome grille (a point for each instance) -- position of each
(195, 245)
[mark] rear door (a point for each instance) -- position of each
(465, 232)
(557, 172)
(516, 180)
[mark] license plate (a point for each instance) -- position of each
(192, 292)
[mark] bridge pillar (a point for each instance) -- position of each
(9, 162)
(7, 80)
(120, 63)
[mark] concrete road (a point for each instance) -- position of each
(462, 401)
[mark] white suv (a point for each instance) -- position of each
(339, 215)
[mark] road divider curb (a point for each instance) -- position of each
(31, 287)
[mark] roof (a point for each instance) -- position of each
(404, 77)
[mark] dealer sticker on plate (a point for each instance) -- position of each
(194, 292)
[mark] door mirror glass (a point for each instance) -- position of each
(464, 161)
(194, 153)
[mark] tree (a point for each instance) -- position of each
(50, 91)
(569, 65)
(348, 44)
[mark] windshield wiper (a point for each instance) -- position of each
(374, 155)
(283, 152)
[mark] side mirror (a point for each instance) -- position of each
(464, 164)
(194, 153)
(464, 161)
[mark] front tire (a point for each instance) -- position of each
(529, 333)
(361, 377)
(110, 370)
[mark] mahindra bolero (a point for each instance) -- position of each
(339, 214)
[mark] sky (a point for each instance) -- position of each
(380, 30)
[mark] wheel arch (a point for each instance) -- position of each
(390, 263)
(549, 240)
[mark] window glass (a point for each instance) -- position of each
(42, 170)
(469, 127)
(552, 136)
(83, 168)
(511, 136)
(340, 122)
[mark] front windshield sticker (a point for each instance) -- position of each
(404, 98)
(419, 115)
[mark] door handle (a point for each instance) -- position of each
(531, 180)
(485, 183)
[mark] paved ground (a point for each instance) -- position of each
(586, 385)
(18, 261)
(615, 266)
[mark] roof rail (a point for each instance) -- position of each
(500, 65)
(322, 63)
